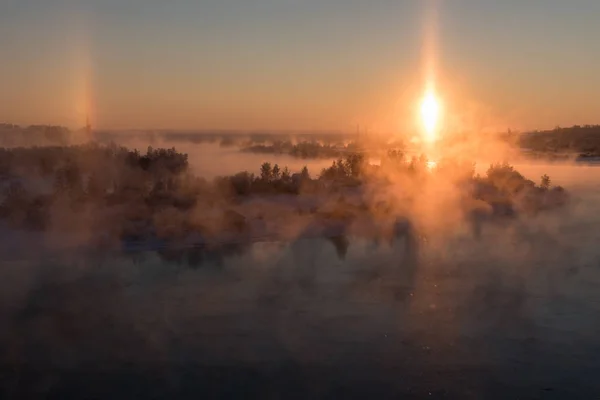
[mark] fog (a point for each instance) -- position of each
(447, 314)
(210, 160)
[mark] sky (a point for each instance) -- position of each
(299, 64)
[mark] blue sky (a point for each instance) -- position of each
(297, 64)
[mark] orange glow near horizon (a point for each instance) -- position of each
(430, 105)
(82, 102)
(430, 114)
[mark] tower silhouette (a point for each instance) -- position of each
(88, 126)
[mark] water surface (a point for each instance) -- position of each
(512, 314)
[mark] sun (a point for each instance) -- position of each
(430, 112)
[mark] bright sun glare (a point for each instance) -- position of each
(430, 110)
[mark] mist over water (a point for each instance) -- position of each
(211, 160)
(509, 313)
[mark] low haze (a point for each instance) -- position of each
(311, 65)
(299, 199)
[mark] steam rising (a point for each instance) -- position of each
(410, 274)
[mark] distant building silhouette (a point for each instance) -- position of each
(88, 126)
